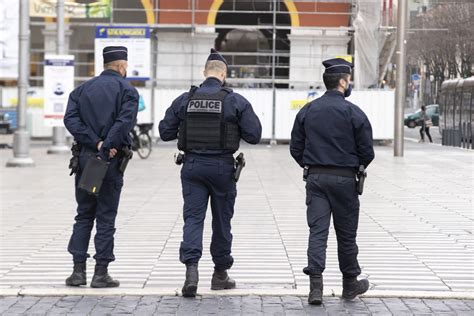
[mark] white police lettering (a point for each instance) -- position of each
(207, 106)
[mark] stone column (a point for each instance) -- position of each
(307, 51)
(181, 59)
(50, 40)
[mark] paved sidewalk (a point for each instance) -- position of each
(228, 306)
(416, 225)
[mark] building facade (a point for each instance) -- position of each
(281, 41)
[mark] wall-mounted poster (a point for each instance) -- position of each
(58, 84)
(137, 41)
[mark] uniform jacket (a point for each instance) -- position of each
(236, 109)
(103, 108)
(331, 131)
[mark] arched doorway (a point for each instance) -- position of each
(249, 51)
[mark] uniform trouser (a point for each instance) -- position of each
(326, 195)
(102, 209)
(204, 178)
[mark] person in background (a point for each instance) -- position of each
(426, 123)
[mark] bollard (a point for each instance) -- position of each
(457, 138)
(463, 135)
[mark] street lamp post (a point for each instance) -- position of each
(21, 138)
(274, 34)
(400, 93)
(59, 132)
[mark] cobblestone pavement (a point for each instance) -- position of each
(229, 305)
(416, 230)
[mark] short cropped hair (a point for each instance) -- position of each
(215, 66)
(113, 64)
(331, 81)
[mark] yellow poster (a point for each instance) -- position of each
(73, 9)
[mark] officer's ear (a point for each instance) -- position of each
(342, 82)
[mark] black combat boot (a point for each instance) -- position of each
(315, 289)
(102, 278)
(191, 283)
(78, 276)
(351, 287)
(221, 280)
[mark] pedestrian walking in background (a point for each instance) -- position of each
(426, 123)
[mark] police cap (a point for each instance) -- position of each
(113, 53)
(337, 65)
(214, 55)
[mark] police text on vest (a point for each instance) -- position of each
(208, 106)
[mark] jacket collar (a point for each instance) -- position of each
(334, 93)
(212, 82)
(110, 72)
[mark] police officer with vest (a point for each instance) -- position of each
(100, 114)
(209, 122)
(331, 139)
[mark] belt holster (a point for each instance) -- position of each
(127, 155)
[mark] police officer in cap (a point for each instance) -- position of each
(100, 114)
(209, 122)
(332, 137)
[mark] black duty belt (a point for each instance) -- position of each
(226, 158)
(336, 171)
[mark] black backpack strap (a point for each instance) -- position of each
(222, 95)
(191, 92)
(229, 90)
(182, 128)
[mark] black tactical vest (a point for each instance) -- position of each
(204, 126)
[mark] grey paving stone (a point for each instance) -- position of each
(355, 306)
(469, 303)
(65, 304)
(396, 305)
(43, 306)
(464, 313)
(251, 304)
(437, 306)
(376, 306)
(126, 305)
(417, 306)
(271, 300)
(85, 305)
(7, 302)
(22, 305)
(215, 305)
(101, 311)
(230, 305)
(147, 305)
(292, 303)
(209, 305)
(316, 310)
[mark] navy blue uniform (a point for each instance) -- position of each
(209, 174)
(331, 133)
(102, 109)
